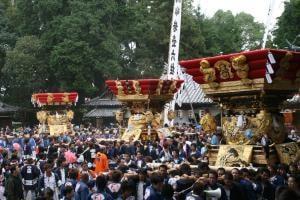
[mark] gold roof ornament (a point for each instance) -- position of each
(224, 67)
(137, 87)
(239, 63)
(209, 73)
(120, 88)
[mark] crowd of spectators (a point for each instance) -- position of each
(90, 164)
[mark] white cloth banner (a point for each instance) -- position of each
(172, 68)
(174, 41)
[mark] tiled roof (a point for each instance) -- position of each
(101, 112)
(98, 101)
(5, 108)
(192, 93)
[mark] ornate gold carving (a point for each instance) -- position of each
(159, 87)
(284, 65)
(65, 98)
(249, 131)
(234, 156)
(263, 122)
(287, 152)
(120, 88)
(156, 122)
(57, 119)
(70, 114)
(235, 86)
(171, 115)
(58, 122)
(58, 129)
(231, 131)
(208, 123)
(172, 87)
(149, 116)
(50, 98)
(33, 98)
(42, 116)
(225, 70)
(239, 63)
(252, 128)
(137, 121)
(136, 86)
(131, 135)
(138, 107)
(132, 97)
(209, 73)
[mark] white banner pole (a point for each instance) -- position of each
(173, 66)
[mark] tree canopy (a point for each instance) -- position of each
(288, 25)
(64, 45)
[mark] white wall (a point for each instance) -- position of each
(185, 114)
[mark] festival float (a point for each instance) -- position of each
(145, 99)
(55, 116)
(250, 87)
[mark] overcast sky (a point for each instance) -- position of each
(257, 8)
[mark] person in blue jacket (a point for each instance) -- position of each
(153, 192)
(82, 190)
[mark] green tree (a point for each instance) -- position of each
(222, 34)
(72, 65)
(24, 71)
(288, 24)
(79, 44)
(226, 33)
(144, 40)
(192, 40)
(82, 46)
(7, 35)
(251, 31)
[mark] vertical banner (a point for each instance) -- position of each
(173, 67)
(174, 41)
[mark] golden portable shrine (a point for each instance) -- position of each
(145, 99)
(250, 88)
(55, 117)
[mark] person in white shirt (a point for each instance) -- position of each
(49, 180)
(142, 184)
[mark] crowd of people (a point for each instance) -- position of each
(85, 166)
